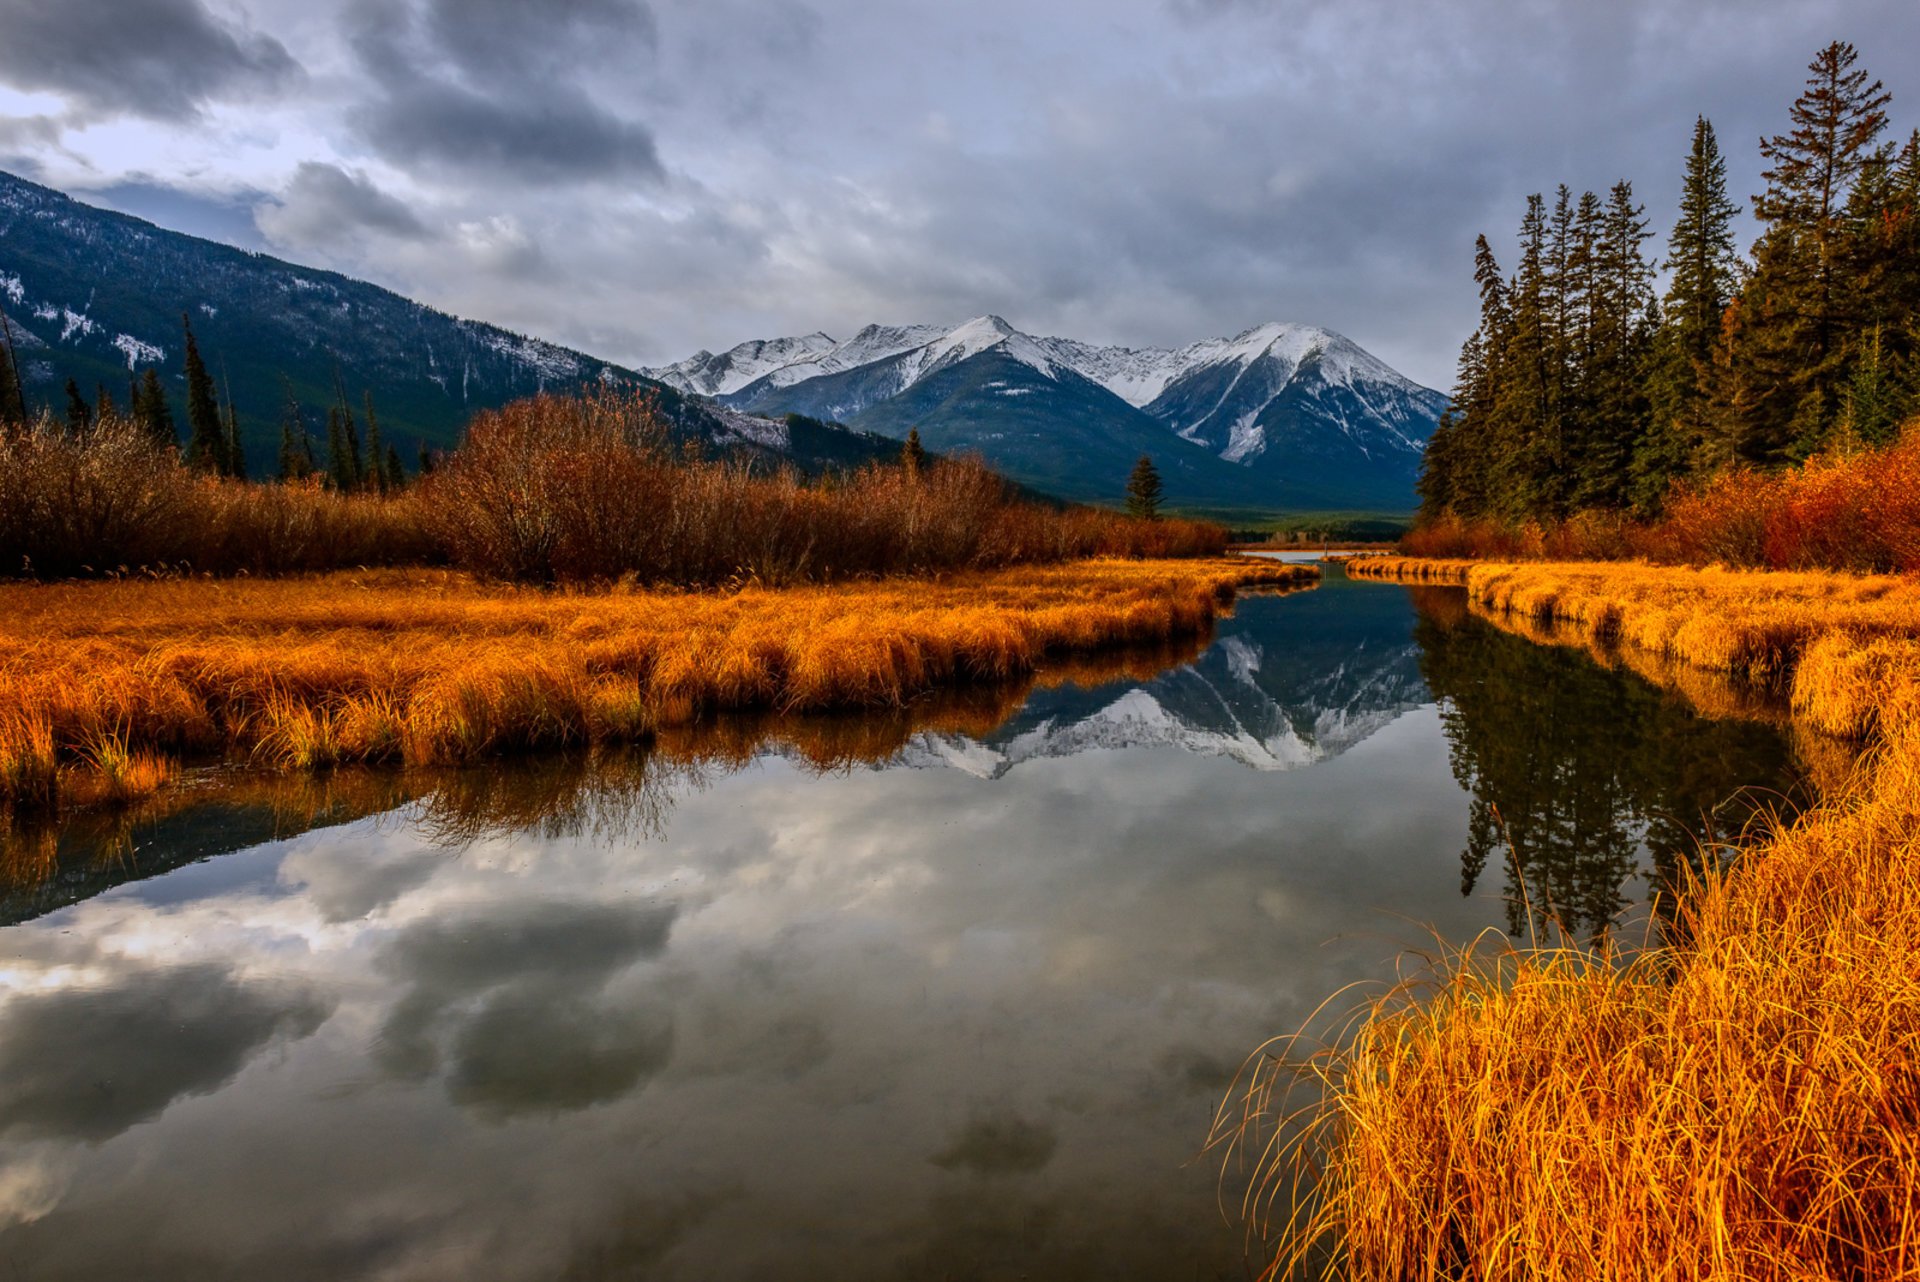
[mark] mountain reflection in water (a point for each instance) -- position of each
(949, 991)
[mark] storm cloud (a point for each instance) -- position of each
(89, 1063)
(163, 59)
(494, 88)
(641, 180)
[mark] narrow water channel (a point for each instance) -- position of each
(947, 998)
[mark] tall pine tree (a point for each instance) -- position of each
(206, 436)
(1706, 274)
(151, 411)
(1798, 311)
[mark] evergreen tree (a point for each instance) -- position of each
(151, 411)
(913, 455)
(13, 395)
(1614, 355)
(79, 413)
(426, 459)
(1706, 273)
(376, 475)
(236, 457)
(103, 406)
(206, 437)
(343, 470)
(295, 462)
(396, 477)
(348, 468)
(1143, 490)
(1799, 306)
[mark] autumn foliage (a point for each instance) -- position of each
(1854, 510)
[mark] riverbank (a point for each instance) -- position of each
(1743, 1101)
(105, 687)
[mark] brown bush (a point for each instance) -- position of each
(111, 501)
(591, 489)
(1852, 510)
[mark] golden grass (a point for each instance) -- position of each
(433, 667)
(1742, 1101)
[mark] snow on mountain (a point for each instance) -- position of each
(705, 374)
(1304, 416)
(782, 362)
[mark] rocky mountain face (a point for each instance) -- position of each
(1281, 417)
(97, 297)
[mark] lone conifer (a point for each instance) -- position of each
(1143, 490)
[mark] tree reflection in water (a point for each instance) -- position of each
(1574, 768)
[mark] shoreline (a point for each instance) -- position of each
(1745, 1098)
(107, 686)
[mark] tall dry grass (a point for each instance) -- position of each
(110, 501)
(1854, 510)
(593, 489)
(1742, 1101)
(435, 667)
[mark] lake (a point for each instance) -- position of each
(952, 993)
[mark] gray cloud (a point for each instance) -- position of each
(324, 204)
(163, 59)
(87, 1063)
(643, 180)
(511, 1009)
(499, 92)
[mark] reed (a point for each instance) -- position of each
(437, 667)
(1740, 1099)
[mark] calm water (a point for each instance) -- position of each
(720, 1013)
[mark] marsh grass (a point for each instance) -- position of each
(616, 790)
(1737, 1098)
(432, 667)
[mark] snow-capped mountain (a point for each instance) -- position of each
(1304, 416)
(1288, 682)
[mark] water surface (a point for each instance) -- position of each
(776, 1009)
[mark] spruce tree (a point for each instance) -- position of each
(1800, 306)
(376, 473)
(342, 461)
(1614, 406)
(396, 477)
(1143, 490)
(913, 455)
(293, 461)
(103, 406)
(353, 473)
(236, 457)
(151, 411)
(79, 413)
(206, 437)
(1706, 274)
(13, 397)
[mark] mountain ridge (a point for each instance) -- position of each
(1307, 416)
(97, 296)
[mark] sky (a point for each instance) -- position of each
(641, 179)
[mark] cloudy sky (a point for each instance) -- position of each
(641, 178)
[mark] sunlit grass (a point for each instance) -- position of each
(434, 667)
(1741, 1101)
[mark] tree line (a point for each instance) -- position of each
(349, 461)
(1582, 389)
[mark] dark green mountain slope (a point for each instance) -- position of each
(97, 297)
